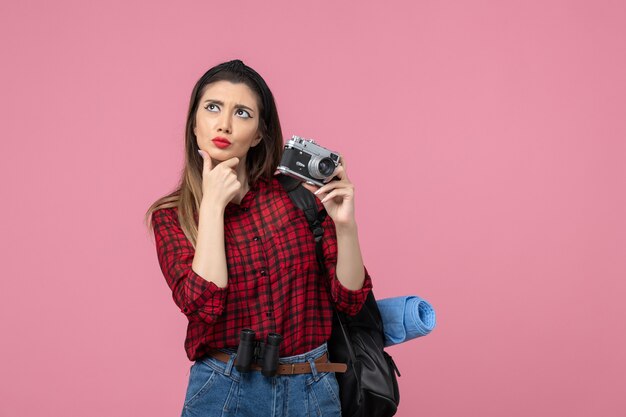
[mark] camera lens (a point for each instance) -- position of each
(321, 168)
(326, 167)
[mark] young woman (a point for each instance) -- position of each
(237, 254)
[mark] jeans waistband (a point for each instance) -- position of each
(303, 357)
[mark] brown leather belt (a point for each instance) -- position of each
(321, 364)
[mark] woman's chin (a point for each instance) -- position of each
(216, 159)
(223, 156)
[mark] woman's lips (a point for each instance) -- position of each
(221, 142)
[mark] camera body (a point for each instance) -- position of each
(307, 161)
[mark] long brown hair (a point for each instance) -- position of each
(261, 160)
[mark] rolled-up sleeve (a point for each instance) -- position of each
(346, 300)
(197, 298)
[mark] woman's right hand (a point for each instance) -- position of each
(219, 182)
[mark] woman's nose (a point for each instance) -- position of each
(224, 124)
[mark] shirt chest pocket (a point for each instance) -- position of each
(282, 244)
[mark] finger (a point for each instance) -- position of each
(340, 172)
(207, 161)
(231, 163)
(331, 186)
(342, 161)
(336, 193)
(233, 184)
(312, 188)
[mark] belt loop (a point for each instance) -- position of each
(229, 364)
(313, 369)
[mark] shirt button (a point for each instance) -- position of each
(244, 209)
(268, 314)
(256, 238)
(263, 272)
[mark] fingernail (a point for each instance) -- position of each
(200, 152)
(316, 192)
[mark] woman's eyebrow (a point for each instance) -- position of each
(221, 103)
(241, 106)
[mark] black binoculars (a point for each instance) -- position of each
(250, 350)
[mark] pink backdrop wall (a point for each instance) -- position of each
(486, 140)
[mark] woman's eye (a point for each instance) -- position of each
(242, 113)
(212, 107)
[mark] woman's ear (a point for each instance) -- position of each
(257, 140)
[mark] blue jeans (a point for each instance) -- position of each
(218, 389)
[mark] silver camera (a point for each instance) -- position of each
(307, 161)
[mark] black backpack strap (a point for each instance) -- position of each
(306, 201)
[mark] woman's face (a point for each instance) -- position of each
(227, 121)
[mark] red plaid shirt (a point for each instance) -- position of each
(274, 281)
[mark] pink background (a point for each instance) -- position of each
(486, 141)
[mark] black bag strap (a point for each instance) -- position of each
(305, 200)
(346, 338)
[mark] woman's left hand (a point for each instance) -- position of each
(337, 196)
